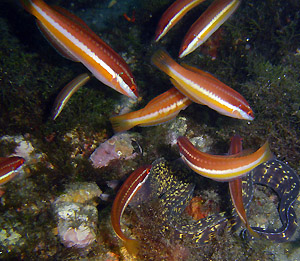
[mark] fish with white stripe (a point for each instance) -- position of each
(201, 87)
(76, 41)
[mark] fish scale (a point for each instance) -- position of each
(174, 188)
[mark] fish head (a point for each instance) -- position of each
(244, 113)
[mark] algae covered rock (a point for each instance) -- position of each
(77, 215)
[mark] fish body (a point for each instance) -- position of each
(203, 88)
(72, 37)
(127, 191)
(173, 14)
(235, 186)
(159, 110)
(8, 168)
(215, 15)
(221, 168)
(66, 93)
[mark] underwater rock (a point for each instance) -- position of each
(124, 104)
(84, 193)
(177, 128)
(77, 214)
(24, 148)
(83, 143)
(10, 238)
(203, 142)
(119, 147)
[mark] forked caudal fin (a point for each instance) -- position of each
(163, 61)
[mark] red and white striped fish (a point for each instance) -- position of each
(76, 41)
(221, 168)
(201, 87)
(173, 14)
(8, 167)
(159, 110)
(127, 191)
(215, 15)
(235, 186)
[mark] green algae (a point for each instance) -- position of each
(33, 82)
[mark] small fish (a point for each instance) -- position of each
(203, 88)
(221, 168)
(76, 41)
(8, 168)
(159, 110)
(127, 191)
(173, 14)
(216, 14)
(66, 93)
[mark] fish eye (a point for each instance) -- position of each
(133, 88)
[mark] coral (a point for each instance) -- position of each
(202, 143)
(77, 224)
(175, 129)
(76, 214)
(24, 147)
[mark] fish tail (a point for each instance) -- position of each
(252, 232)
(26, 5)
(121, 123)
(30, 6)
(163, 61)
(132, 246)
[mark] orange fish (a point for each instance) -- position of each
(221, 168)
(8, 167)
(76, 41)
(215, 15)
(159, 110)
(235, 186)
(201, 87)
(173, 14)
(127, 191)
